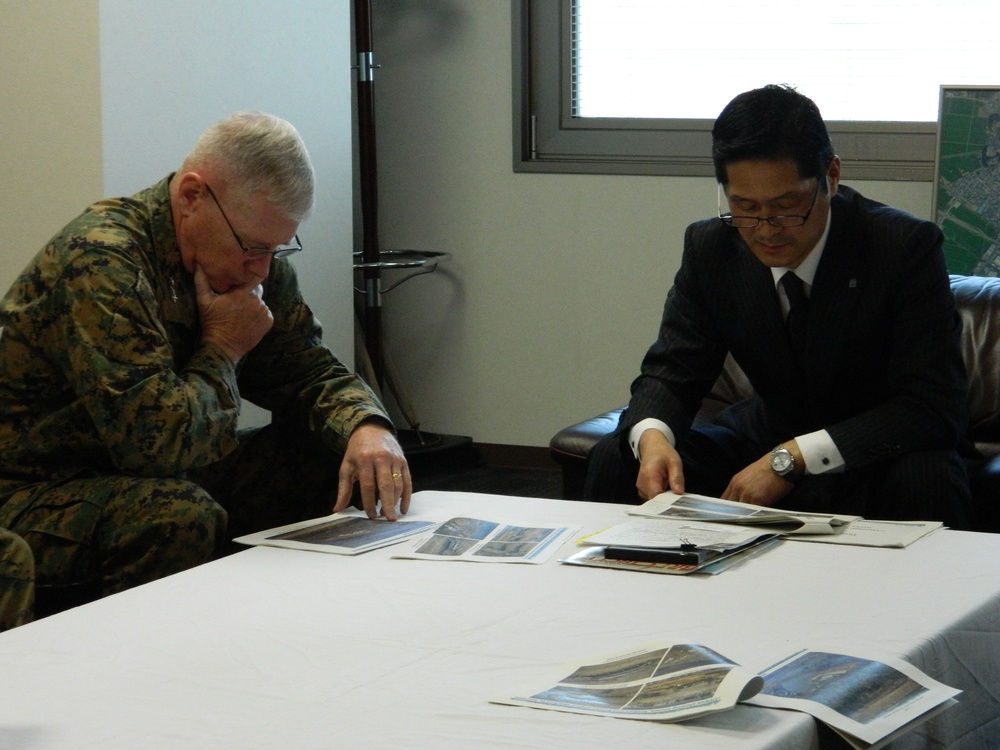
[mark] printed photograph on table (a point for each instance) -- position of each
(867, 701)
(480, 540)
(342, 532)
(669, 681)
(967, 179)
(346, 533)
(860, 689)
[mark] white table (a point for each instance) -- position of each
(276, 648)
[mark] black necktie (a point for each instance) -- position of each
(798, 310)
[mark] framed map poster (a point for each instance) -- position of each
(967, 179)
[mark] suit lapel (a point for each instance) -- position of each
(833, 298)
(765, 341)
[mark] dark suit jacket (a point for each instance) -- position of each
(883, 371)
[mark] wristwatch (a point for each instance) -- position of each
(783, 463)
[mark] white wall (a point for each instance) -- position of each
(558, 281)
(170, 69)
(50, 123)
(107, 96)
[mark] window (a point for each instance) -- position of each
(593, 94)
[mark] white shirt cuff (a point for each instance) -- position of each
(647, 424)
(819, 453)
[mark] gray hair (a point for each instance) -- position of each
(258, 153)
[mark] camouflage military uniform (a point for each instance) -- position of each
(115, 418)
(17, 580)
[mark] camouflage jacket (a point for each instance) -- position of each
(102, 367)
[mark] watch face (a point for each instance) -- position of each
(781, 462)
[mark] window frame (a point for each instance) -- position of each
(548, 139)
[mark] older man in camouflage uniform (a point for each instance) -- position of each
(127, 346)
(17, 581)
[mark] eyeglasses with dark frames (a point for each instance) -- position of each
(751, 222)
(279, 251)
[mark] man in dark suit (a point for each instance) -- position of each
(860, 402)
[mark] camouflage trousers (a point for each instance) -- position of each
(94, 535)
(17, 581)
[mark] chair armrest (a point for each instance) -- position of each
(575, 442)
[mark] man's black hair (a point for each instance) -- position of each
(770, 124)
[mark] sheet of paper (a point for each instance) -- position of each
(348, 533)
(867, 701)
(865, 533)
(479, 540)
(669, 505)
(671, 534)
(657, 682)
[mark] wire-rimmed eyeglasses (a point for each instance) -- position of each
(751, 222)
(279, 251)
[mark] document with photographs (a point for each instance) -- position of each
(656, 682)
(868, 702)
(478, 540)
(702, 508)
(666, 546)
(797, 525)
(350, 532)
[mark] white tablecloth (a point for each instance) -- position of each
(276, 648)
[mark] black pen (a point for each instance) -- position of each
(649, 554)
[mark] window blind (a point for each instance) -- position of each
(859, 60)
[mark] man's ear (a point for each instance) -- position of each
(190, 192)
(833, 175)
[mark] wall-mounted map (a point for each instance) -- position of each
(967, 182)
